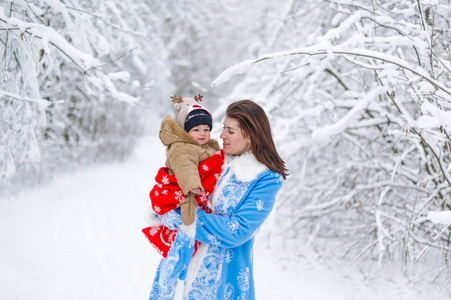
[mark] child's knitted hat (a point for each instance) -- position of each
(189, 113)
(198, 117)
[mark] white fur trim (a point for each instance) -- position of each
(246, 167)
(194, 267)
(179, 290)
(189, 230)
(151, 218)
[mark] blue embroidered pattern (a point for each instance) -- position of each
(228, 202)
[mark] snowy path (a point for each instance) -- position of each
(79, 237)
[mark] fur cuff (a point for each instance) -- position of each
(151, 218)
(189, 230)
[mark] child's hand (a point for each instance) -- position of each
(195, 191)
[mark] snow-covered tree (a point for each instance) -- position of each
(360, 106)
(204, 37)
(74, 77)
(77, 74)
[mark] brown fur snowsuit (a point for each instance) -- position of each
(184, 154)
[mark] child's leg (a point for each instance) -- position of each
(188, 209)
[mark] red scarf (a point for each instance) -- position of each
(166, 195)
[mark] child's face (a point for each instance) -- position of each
(200, 134)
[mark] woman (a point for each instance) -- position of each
(244, 196)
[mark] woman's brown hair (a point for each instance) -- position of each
(255, 124)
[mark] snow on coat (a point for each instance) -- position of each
(184, 154)
(222, 268)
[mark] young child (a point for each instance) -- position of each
(187, 141)
(193, 165)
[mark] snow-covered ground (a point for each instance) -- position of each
(79, 237)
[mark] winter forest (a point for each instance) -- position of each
(358, 94)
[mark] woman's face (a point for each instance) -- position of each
(234, 142)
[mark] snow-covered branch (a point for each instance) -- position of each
(371, 82)
(54, 50)
(41, 102)
(48, 35)
(440, 217)
(325, 49)
(343, 123)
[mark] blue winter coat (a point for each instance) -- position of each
(222, 268)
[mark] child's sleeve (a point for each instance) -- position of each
(185, 160)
